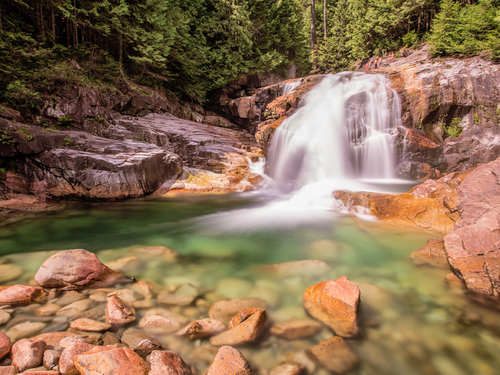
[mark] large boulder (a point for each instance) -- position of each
(334, 303)
(75, 269)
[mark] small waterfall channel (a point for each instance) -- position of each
(342, 137)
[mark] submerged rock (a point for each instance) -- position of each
(433, 254)
(225, 309)
(288, 368)
(229, 361)
(85, 324)
(243, 328)
(295, 329)
(334, 355)
(21, 295)
(202, 328)
(334, 303)
(75, 269)
(167, 363)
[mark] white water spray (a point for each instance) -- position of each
(289, 87)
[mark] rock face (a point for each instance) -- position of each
(229, 361)
(334, 303)
(473, 247)
(437, 94)
(75, 269)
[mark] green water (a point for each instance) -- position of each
(412, 321)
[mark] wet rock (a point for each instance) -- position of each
(433, 254)
(70, 340)
(21, 295)
(53, 339)
(26, 329)
(51, 359)
(121, 361)
(225, 309)
(288, 368)
(4, 317)
(124, 264)
(66, 362)
(75, 308)
(296, 328)
(5, 344)
(202, 328)
(27, 353)
(39, 371)
(119, 312)
(245, 327)
(140, 342)
(162, 320)
(334, 355)
(126, 295)
(48, 309)
(75, 269)
(298, 268)
(9, 272)
(334, 303)
(85, 324)
(229, 361)
(8, 370)
(233, 288)
(175, 299)
(167, 363)
(69, 297)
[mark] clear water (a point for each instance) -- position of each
(412, 322)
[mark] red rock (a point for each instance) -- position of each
(85, 324)
(21, 295)
(121, 361)
(119, 312)
(334, 303)
(288, 368)
(245, 327)
(167, 363)
(5, 344)
(334, 355)
(8, 370)
(203, 328)
(229, 361)
(51, 359)
(66, 362)
(295, 329)
(75, 269)
(39, 372)
(27, 353)
(70, 340)
(433, 254)
(225, 309)
(53, 339)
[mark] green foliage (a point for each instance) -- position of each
(67, 142)
(26, 133)
(6, 139)
(454, 129)
(410, 39)
(466, 29)
(64, 121)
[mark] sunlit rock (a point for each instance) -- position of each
(116, 361)
(85, 324)
(229, 361)
(21, 295)
(168, 363)
(245, 327)
(335, 303)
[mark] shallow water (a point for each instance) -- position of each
(412, 321)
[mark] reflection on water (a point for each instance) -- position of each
(412, 321)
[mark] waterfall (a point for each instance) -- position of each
(343, 134)
(289, 87)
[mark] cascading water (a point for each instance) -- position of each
(289, 87)
(342, 136)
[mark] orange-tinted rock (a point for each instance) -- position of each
(433, 254)
(145, 347)
(167, 363)
(21, 295)
(203, 328)
(39, 372)
(51, 359)
(288, 368)
(53, 339)
(229, 361)
(5, 344)
(225, 309)
(245, 327)
(75, 269)
(140, 342)
(121, 361)
(66, 361)
(8, 370)
(27, 353)
(161, 321)
(334, 355)
(119, 312)
(335, 303)
(85, 324)
(295, 329)
(265, 132)
(70, 340)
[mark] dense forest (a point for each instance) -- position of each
(194, 47)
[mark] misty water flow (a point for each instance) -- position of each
(290, 86)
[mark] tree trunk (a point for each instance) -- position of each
(120, 47)
(67, 33)
(42, 24)
(313, 25)
(324, 17)
(53, 24)
(75, 25)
